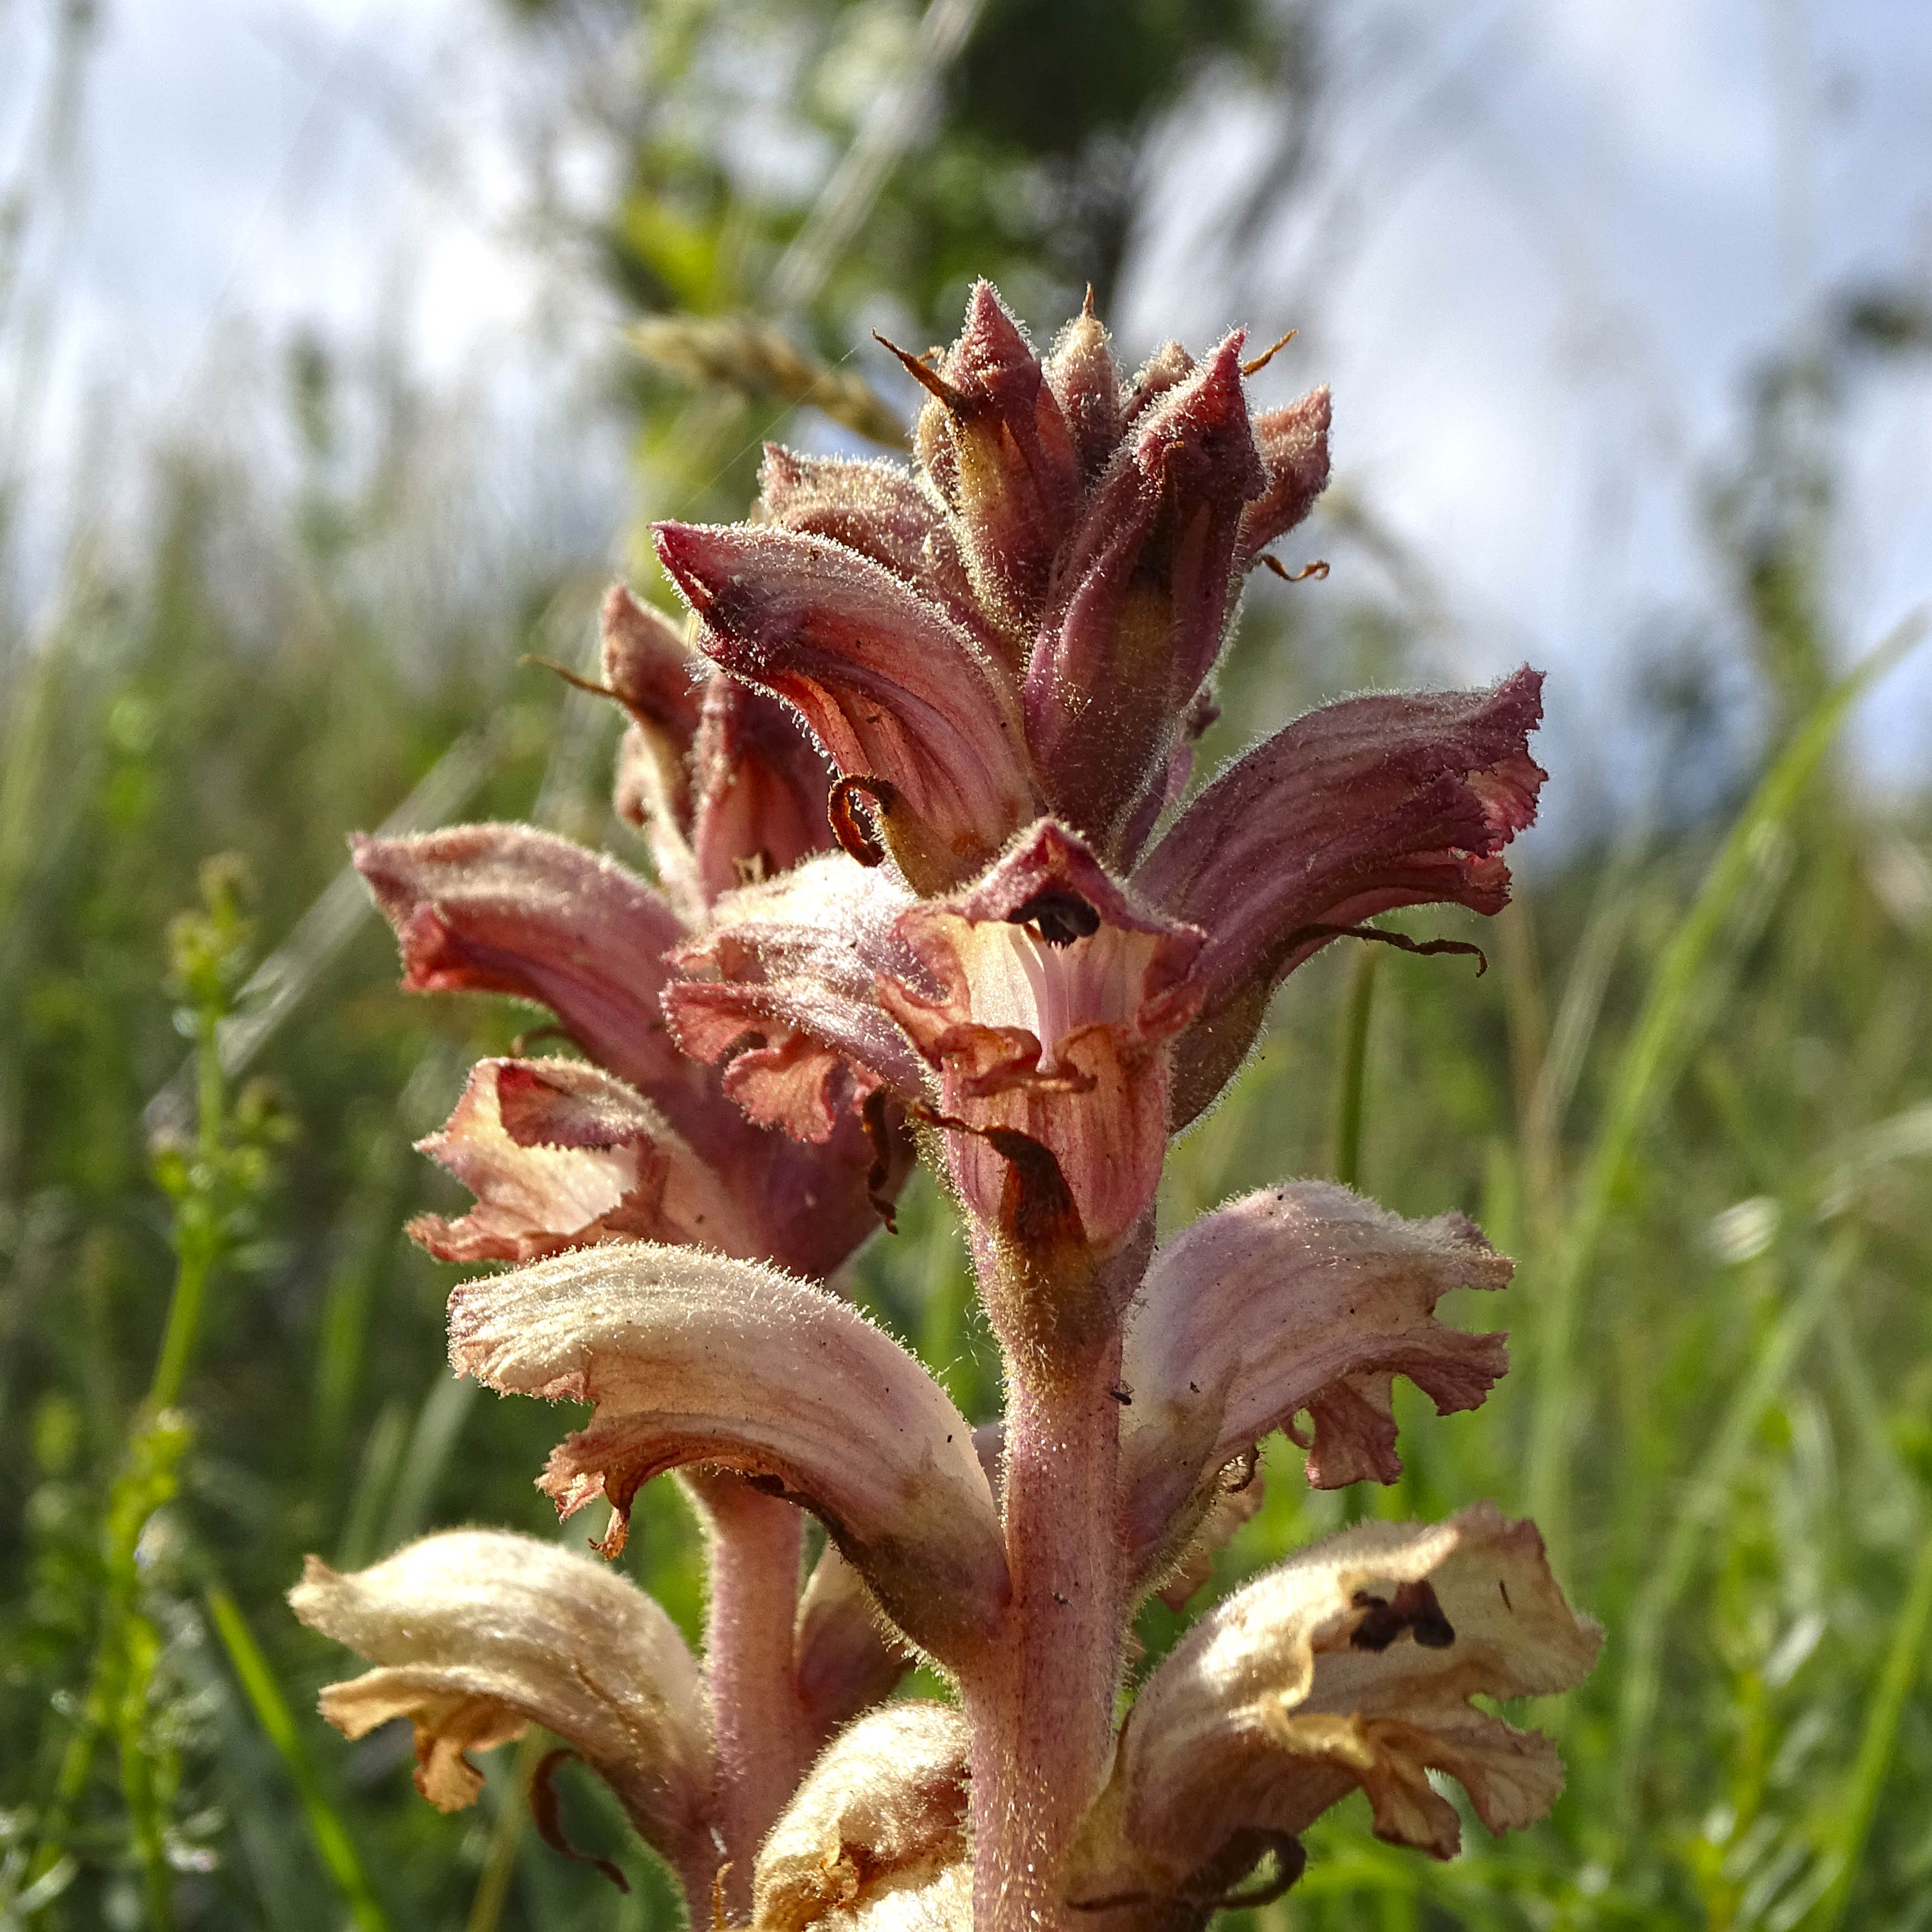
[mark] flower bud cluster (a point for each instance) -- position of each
(932, 877)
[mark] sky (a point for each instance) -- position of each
(1542, 246)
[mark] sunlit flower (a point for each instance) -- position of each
(916, 789)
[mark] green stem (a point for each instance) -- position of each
(144, 1483)
(1904, 1658)
(1351, 1071)
(146, 1821)
(198, 1233)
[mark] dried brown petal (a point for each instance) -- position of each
(477, 1633)
(1352, 1663)
(560, 1154)
(877, 1834)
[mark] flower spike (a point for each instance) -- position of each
(929, 870)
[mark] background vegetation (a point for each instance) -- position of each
(1692, 1093)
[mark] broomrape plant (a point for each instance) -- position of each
(943, 919)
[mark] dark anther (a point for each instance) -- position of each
(1413, 1608)
(859, 840)
(1400, 941)
(1122, 1394)
(1061, 917)
(877, 1124)
(546, 1810)
(767, 1486)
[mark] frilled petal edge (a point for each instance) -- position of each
(692, 1357)
(1301, 1298)
(1352, 1663)
(476, 1633)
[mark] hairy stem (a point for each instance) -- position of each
(1041, 1705)
(760, 1730)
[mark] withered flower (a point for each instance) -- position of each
(915, 783)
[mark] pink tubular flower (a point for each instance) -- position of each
(916, 791)
(1056, 1001)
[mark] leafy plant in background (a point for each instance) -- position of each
(1005, 660)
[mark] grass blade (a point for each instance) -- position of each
(271, 1712)
(1904, 1658)
(1644, 1073)
(1699, 1513)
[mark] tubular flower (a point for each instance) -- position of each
(1056, 997)
(476, 1634)
(915, 787)
(1352, 1663)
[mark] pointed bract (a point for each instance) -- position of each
(1142, 594)
(691, 1357)
(1354, 810)
(1352, 1663)
(1300, 1297)
(477, 1633)
(1001, 450)
(1086, 385)
(648, 668)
